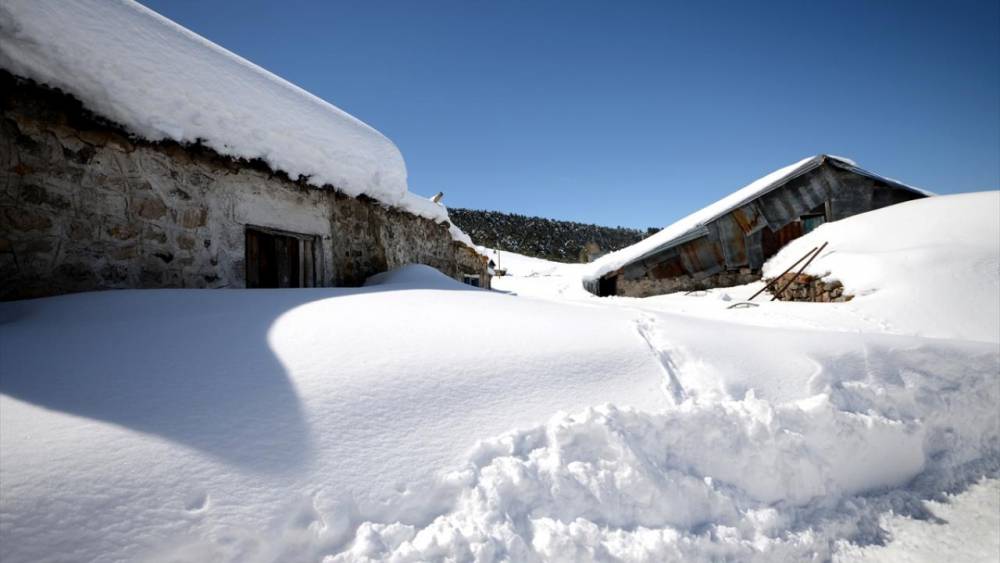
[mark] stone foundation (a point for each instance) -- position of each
(85, 206)
(648, 286)
(810, 288)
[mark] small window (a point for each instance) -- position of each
(279, 259)
(811, 221)
(472, 280)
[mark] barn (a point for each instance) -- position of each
(137, 154)
(726, 243)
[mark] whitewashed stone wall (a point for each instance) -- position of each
(83, 206)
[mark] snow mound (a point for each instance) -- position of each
(929, 266)
(348, 424)
(256, 422)
(613, 483)
(415, 276)
(162, 81)
(289, 425)
(696, 221)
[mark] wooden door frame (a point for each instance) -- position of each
(310, 257)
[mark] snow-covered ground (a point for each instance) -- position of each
(418, 419)
(971, 520)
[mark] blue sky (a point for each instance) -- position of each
(637, 113)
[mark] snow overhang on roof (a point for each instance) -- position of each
(162, 81)
(695, 225)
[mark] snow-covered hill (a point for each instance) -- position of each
(418, 419)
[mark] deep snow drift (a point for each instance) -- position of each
(418, 419)
(928, 265)
(162, 81)
(136, 420)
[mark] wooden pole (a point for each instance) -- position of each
(797, 274)
(775, 280)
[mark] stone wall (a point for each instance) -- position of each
(468, 261)
(84, 205)
(804, 287)
(647, 286)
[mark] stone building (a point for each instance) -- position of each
(87, 203)
(726, 243)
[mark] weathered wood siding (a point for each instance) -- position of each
(736, 244)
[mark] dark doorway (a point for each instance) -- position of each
(607, 285)
(772, 241)
(279, 259)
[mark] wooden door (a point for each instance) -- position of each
(273, 260)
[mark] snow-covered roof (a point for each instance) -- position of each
(163, 81)
(693, 226)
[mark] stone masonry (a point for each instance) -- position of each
(804, 287)
(84, 206)
(648, 286)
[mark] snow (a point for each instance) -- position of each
(162, 81)
(534, 277)
(922, 266)
(460, 235)
(242, 417)
(419, 419)
(974, 515)
(696, 221)
(416, 276)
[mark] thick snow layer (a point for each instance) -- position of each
(697, 220)
(461, 236)
(420, 419)
(355, 423)
(162, 81)
(928, 266)
(735, 480)
(256, 421)
(960, 527)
